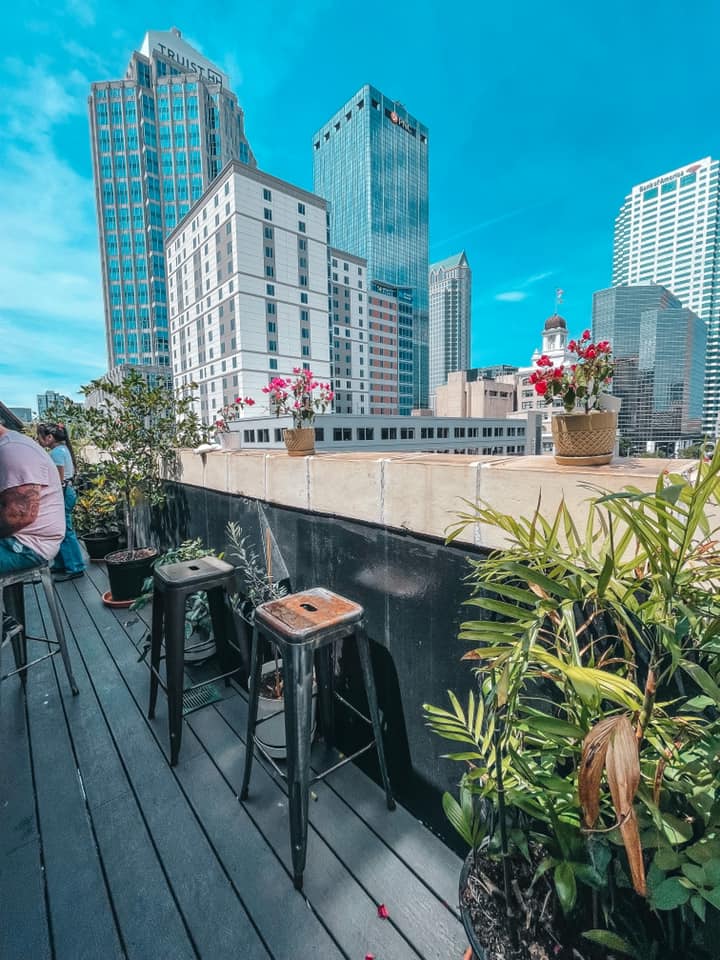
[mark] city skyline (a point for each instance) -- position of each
(519, 176)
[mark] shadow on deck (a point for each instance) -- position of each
(105, 851)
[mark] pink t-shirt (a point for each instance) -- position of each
(24, 461)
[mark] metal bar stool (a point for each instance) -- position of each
(173, 583)
(301, 625)
(15, 632)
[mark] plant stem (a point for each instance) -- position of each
(497, 742)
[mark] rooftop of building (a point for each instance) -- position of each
(456, 260)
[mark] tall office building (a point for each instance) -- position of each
(667, 232)
(659, 351)
(248, 285)
(449, 335)
(50, 400)
(371, 164)
(159, 137)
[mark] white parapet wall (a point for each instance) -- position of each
(419, 493)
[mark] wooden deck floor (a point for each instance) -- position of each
(106, 852)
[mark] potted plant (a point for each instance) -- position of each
(298, 399)
(259, 587)
(199, 639)
(137, 428)
(97, 516)
(231, 413)
(596, 722)
(584, 434)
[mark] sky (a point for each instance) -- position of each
(541, 119)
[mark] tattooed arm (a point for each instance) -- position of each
(19, 506)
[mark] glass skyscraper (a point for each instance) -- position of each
(371, 164)
(659, 350)
(668, 232)
(159, 137)
(449, 337)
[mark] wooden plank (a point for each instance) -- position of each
(145, 908)
(213, 912)
(23, 917)
(265, 890)
(347, 910)
(72, 866)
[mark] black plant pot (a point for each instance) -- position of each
(477, 948)
(127, 571)
(98, 545)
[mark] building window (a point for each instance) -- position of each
(319, 434)
(267, 195)
(272, 363)
(301, 209)
(267, 213)
(366, 433)
(388, 433)
(248, 436)
(407, 433)
(342, 434)
(301, 226)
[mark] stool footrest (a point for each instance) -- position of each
(318, 776)
(26, 666)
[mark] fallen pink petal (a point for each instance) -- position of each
(383, 912)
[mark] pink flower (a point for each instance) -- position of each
(586, 335)
(590, 353)
(572, 346)
(544, 361)
(383, 912)
(541, 388)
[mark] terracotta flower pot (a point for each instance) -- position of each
(584, 439)
(300, 442)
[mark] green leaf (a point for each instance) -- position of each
(702, 679)
(694, 873)
(553, 726)
(606, 938)
(667, 859)
(565, 885)
(712, 873)
(712, 896)
(698, 905)
(670, 894)
(703, 851)
(553, 587)
(676, 831)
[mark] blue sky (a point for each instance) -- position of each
(541, 118)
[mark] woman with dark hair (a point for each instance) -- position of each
(54, 437)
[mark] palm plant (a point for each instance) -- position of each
(604, 644)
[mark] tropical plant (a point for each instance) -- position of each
(579, 383)
(98, 508)
(138, 428)
(298, 398)
(604, 642)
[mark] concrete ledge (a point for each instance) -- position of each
(421, 493)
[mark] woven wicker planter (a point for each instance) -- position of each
(584, 439)
(300, 443)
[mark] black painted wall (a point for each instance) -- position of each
(412, 590)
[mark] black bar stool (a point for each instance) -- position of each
(173, 583)
(14, 631)
(301, 625)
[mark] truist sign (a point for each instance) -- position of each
(207, 72)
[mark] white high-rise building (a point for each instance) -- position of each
(667, 233)
(449, 332)
(248, 287)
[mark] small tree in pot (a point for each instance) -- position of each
(138, 427)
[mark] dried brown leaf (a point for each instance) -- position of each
(592, 763)
(623, 772)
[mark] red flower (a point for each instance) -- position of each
(586, 335)
(572, 345)
(383, 912)
(590, 353)
(544, 361)
(541, 388)
(558, 372)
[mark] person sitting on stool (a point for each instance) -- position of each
(54, 437)
(32, 512)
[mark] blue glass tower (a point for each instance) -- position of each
(371, 164)
(159, 137)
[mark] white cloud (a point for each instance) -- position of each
(511, 296)
(82, 10)
(50, 290)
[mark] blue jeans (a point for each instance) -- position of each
(70, 557)
(16, 556)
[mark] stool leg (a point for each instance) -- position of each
(253, 700)
(366, 665)
(326, 693)
(156, 633)
(217, 616)
(297, 689)
(19, 648)
(50, 596)
(174, 668)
